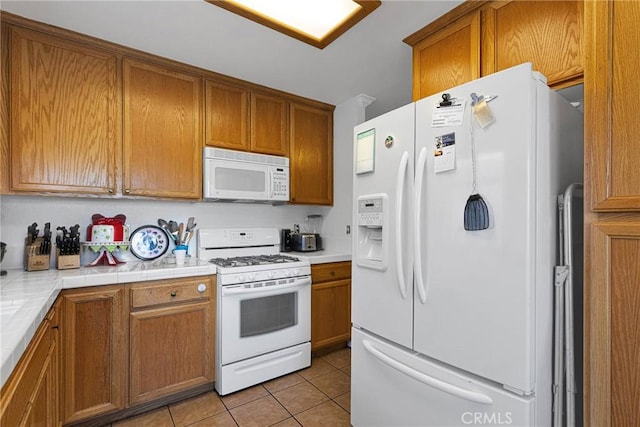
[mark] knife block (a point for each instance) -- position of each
(66, 262)
(33, 261)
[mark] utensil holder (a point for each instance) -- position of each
(67, 262)
(33, 260)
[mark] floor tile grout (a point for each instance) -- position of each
(227, 409)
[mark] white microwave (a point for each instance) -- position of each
(238, 176)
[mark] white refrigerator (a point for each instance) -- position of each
(452, 322)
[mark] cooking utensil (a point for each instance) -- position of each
(476, 213)
(180, 231)
(173, 231)
(165, 226)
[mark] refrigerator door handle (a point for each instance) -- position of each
(417, 248)
(402, 171)
(426, 379)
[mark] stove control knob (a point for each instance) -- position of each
(241, 278)
(202, 287)
(251, 277)
(271, 274)
(288, 273)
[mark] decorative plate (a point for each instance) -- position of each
(149, 242)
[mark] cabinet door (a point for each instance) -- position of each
(447, 58)
(162, 132)
(612, 151)
(41, 410)
(64, 115)
(30, 396)
(269, 133)
(330, 313)
(226, 116)
(612, 240)
(612, 339)
(94, 348)
(546, 33)
(4, 109)
(311, 155)
(172, 349)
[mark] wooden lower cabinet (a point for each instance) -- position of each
(30, 396)
(330, 304)
(94, 349)
(130, 344)
(171, 337)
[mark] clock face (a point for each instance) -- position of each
(149, 242)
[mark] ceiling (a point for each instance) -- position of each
(369, 59)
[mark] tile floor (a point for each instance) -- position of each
(317, 396)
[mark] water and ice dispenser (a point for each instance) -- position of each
(372, 246)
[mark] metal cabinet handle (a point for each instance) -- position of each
(202, 287)
(127, 190)
(174, 293)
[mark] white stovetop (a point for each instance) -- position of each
(26, 297)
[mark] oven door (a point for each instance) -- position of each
(256, 318)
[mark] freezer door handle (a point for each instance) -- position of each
(451, 389)
(402, 171)
(417, 248)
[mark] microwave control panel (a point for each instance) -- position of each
(370, 212)
(280, 183)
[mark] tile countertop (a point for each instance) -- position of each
(26, 297)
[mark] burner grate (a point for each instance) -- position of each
(243, 261)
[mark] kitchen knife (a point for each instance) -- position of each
(45, 246)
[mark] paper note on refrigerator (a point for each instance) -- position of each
(444, 155)
(451, 115)
(365, 152)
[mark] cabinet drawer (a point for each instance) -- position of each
(331, 271)
(171, 291)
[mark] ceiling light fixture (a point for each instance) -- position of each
(316, 22)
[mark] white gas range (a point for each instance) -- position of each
(263, 316)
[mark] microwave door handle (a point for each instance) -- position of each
(270, 183)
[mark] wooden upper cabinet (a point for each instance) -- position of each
(226, 116)
(269, 120)
(479, 38)
(162, 131)
(311, 154)
(64, 115)
(612, 151)
(547, 33)
(447, 58)
(4, 109)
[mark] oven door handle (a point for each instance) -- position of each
(303, 281)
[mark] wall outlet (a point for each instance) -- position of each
(296, 228)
